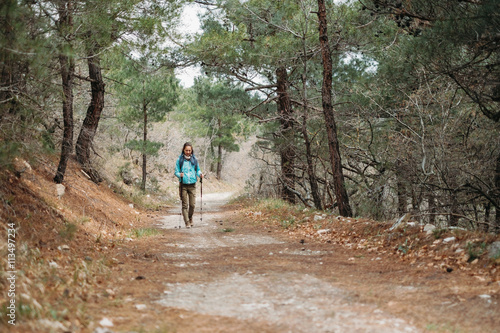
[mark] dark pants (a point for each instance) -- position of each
(188, 197)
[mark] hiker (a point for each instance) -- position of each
(188, 171)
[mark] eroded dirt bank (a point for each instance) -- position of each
(228, 274)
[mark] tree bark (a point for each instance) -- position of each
(67, 75)
(402, 191)
(219, 151)
(431, 200)
(453, 216)
(91, 121)
(496, 227)
(144, 140)
(287, 150)
(313, 180)
(8, 76)
(331, 127)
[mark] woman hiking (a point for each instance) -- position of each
(188, 171)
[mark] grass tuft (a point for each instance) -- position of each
(145, 232)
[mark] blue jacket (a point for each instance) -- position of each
(191, 171)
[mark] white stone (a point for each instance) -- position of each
(106, 322)
(449, 239)
(494, 250)
(140, 306)
(27, 165)
(52, 326)
(60, 188)
(429, 228)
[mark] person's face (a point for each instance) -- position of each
(188, 151)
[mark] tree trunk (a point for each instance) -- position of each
(287, 150)
(67, 76)
(496, 227)
(8, 76)
(219, 162)
(402, 191)
(144, 140)
(219, 152)
(331, 127)
(431, 201)
(313, 180)
(91, 121)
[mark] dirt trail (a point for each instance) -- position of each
(226, 275)
(291, 300)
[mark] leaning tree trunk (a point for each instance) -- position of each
(67, 75)
(331, 127)
(91, 121)
(287, 150)
(67, 71)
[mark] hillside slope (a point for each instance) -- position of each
(62, 241)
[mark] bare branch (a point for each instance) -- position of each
(261, 87)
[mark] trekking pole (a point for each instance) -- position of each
(180, 217)
(180, 196)
(201, 199)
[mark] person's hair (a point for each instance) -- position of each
(188, 144)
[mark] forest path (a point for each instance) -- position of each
(227, 275)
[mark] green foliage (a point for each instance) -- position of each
(145, 232)
(221, 105)
(215, 109)
(144, 147)
(455, 41)
(403, 248)
(8, 151)
(438, 232)
(475, 250)
(286, 224)
(273, 204)
(144, 90)
(69, 230)
(154, 184)
(25, 81)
